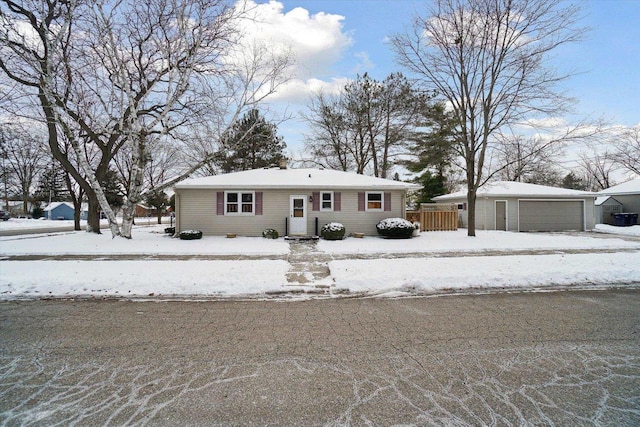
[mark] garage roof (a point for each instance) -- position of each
(518, 189)
(629, 187)
(276, 178)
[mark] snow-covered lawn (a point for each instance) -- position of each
(140, 278)
(146, 240)
(453, 241)
(613, 261)
(397, 276)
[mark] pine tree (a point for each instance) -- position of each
(52, 186)
(112, 189)
(434, 150)
(252, 143)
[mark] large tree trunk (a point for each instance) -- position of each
(134, 194)
(77, 212)
(93, 214)
(471, 212)
(25, 204)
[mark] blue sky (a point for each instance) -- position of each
(608, 59)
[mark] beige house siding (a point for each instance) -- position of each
(196, 209)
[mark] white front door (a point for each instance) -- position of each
(298, 215)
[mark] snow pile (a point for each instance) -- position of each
(633, 230)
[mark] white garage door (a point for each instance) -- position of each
(551, 215)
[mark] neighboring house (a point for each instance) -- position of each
(606, 207)
(517, 206)
(142, 211)
(291, 201)
(626, 194)
(16, 207)
(59, 210)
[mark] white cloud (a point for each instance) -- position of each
(365, 63)
(316, 41)
(298, 90)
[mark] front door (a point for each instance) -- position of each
(298, 215)
(501, 215)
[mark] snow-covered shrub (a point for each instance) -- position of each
(332, 231)
(395, 228)
(170, 230)
(190, 235)
(270, 233)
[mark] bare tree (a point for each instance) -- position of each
(597, 169)
(627, 149)
(331, 144)
(124, 73)
(23, 156)
(524, 158)
(487, 59)
(366, 125)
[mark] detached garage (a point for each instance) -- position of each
(517, 206)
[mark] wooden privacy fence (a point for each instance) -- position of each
(436, 216)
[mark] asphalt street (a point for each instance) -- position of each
(555, 358)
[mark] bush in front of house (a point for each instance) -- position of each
(270, 233)
(332, 231)
(170, 230)
(190, 235)
(395, 228)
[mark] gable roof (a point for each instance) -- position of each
(296, 179)
(51, 206)
(600, 200)
(518, 189)
(629, 187)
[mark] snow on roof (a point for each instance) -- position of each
(629, 187)
(602, 199)
(51, 206)
(276, 178)
(517, 189)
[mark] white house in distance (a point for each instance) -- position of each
(517, 206)
(291, 201)
(621, 198)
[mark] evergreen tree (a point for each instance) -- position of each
(251, 143)
(112, 189)
(573, 182)
(433, 149)
(157, 200)
(52, 186)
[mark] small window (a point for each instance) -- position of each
(239, 203)
(326, 201)
(374, 201)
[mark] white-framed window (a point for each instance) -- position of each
(239, 203)
(374, 201)
(326, 201)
